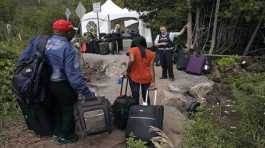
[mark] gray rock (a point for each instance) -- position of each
(177, 88)
(201, 90)
(174, 125)
(179, 101)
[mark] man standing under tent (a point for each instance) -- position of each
(164, 43)
(117, 45)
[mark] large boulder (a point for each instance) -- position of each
(174, 125)
(201, 90)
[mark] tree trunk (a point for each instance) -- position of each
(197, 33)
(252, 37)
(189, 27)
(208, 30)
(215, 26)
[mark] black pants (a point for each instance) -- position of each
(135, 88)
(157, 58)
(64, 98)
(117, 45)
(166, 63)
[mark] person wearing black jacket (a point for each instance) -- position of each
(164, 43)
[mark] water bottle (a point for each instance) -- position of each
(120, 79)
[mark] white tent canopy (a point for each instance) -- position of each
(110, 12)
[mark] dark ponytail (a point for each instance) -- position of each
(140, 42)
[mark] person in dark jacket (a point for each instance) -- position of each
(65, 80)
(164, 43)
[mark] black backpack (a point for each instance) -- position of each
(31, 75)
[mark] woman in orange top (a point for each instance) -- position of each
(140, 68)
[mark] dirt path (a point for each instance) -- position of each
(106, 84)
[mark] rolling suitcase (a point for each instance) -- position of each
(182, 60)
(141, 117)
(93, 115)
(104, 48)
(196, 64)
(121, 106)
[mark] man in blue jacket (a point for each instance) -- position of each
(65, 79)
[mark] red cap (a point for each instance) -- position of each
(62, 25)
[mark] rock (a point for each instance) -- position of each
(179, 101)
(216, 74)
(176, 88)
(174, 125)
(176, 100)
(257, 67)
(201, 90)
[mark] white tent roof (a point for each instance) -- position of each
(109, 12)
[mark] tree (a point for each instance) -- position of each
(215, 26)
(189, 27)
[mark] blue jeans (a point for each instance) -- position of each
(135, 88)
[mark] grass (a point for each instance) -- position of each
(248, 91)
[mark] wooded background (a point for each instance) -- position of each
(215, 26)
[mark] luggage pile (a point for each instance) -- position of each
(196, 63)
(94, 115)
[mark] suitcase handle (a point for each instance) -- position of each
(126, 88)
(147, 94)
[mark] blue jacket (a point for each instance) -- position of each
(64, 62)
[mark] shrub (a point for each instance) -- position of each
(248, 90)
(205, 133)
(227, 61)
(132, 142)
(7, 100)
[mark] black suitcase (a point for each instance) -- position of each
(37, 117)
(93, 115)
(141, 117)
(182, 59)
(104, 48)
(121, 106)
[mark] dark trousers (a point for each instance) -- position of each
(166, 63)
(64, 98)
(117, 44)
(157, 58)
(135, 88)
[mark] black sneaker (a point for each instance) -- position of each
(163, 77)
(68, 140)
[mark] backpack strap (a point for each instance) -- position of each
(41, 43)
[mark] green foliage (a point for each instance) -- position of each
(132, 142)
(227, 61)
(248, 91)
(253, 10)
(167, 12)
(205, 133)
(7, 100)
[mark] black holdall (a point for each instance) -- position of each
(29, 84)
(92, 116)
(121, 107)
(31, 75)
(142, 117)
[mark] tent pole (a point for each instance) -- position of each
(98, 26)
